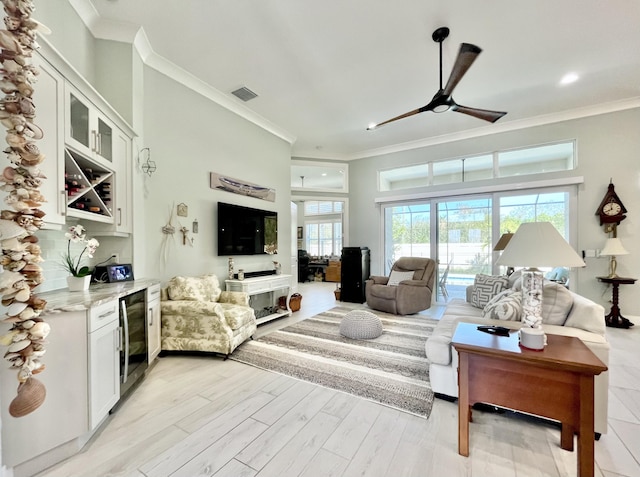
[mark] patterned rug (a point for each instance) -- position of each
(391, 369)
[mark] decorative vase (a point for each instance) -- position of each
(230, 275)
(78, 283)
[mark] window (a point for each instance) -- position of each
(322, 207)
(324, 238)
(531, 160)
(323, 224)
(536, 160)
(407, 232)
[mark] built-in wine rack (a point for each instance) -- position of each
(89, 188)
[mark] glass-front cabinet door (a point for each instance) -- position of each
(79, 121)
(87, 130)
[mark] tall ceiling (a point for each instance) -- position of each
(324, 70)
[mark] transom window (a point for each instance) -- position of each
(531, 160)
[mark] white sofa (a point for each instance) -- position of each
(584, 320)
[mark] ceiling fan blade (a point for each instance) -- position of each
(402, 116)
(466, 56)
(486, 114)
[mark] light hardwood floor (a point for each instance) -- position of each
(201, 416)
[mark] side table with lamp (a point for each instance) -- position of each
(613, 247)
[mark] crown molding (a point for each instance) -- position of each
(129, 33)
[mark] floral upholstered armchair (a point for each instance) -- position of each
(198, 316)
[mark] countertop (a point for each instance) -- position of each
(98, 293)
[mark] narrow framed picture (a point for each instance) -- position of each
(299, 233)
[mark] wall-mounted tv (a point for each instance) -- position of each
(246, 231)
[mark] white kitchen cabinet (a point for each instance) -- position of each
(48, 97)
(153, 322)
(123, 194)
(87, 129)
(104, 360)
(63, 416)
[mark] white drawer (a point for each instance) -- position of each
(280, 282)
(153, 293)
(104, 314)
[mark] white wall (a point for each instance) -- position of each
(607, 147)
(190, 137)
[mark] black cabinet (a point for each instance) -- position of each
(355, 271)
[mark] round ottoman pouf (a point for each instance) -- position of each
(360, 325)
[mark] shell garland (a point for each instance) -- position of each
(21, 180)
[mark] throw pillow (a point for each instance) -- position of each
(556, 303)
(485, 287)
(396, 277)
(186, 288)
(506, 305)
(211, 287)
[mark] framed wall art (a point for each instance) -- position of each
(239, 186)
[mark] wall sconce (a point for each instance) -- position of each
(148, 166)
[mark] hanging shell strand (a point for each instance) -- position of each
(21, 180)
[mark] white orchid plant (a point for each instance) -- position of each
(77, 234)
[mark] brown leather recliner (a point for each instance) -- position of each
(410, 295)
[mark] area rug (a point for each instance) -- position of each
(391, 369)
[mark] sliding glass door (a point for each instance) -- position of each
(464, 243)
(460, 233)
(407, 230)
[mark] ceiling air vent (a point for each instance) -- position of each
(244, 93)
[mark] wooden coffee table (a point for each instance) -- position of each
(556, 383)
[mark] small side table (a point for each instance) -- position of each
(556, 383)
(614, 318)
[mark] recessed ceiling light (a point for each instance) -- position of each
(324, 174)
(569, 78)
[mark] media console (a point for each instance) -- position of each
(262, 295)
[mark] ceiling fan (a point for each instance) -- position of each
(443, 99)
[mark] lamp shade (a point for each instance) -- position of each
(503, 241)
(539, 244)
(612, 247)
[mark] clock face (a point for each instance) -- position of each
(612, 208)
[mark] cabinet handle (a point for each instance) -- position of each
(99, 143)
(150, 316)
(64, 203)
(94, 146)
(119, 216)
(104, 315)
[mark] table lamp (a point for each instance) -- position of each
(536, 244)
(502, 243)
(612, 248)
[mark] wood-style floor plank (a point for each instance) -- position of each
(268, 444)
(296, 455)
(348, 437)
(175, 457)
(372, 457)
(216, 456)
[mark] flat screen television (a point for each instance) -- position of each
(246, 231)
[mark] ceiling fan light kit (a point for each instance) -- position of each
(443, 100)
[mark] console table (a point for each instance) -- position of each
(496, 370)
(614, 318)
(261, 291)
